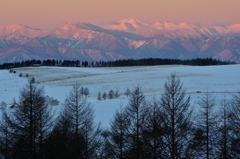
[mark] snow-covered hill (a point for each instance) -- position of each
(220, 81)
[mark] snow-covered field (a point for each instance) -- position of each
(219, 80)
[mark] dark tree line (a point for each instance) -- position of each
(159, 61)
(166, 127)
(48, 62)
(117, 63)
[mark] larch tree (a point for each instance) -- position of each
(235, 125)
(60, 139)
(176, 118)
(6, 137)
(224, 131)
(153, 132)
(125, 137)
(207, 128)
(30, 121)
(137, 113)
(116, 139)
(81, 136)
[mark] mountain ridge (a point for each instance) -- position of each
(124, 39)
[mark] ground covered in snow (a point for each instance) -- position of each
(221, 81)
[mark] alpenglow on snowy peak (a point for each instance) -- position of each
(124, 39)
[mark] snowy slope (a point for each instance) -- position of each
(219, 80)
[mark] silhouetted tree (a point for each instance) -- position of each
(6, 137)
(206, 128)
(137, 114)
(60, 139)
(116, 139)
(81, 137)
(30, 121)
(125, 138)
(235, 126)
(224, 132)
(176, 119)
(153, 132)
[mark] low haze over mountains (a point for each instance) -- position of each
(120, 40)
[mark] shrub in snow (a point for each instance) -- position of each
(116, 94)
(99, 96)
(104, 95)
(111, 94)
(32, 80)
(86, 91)
(3, 106)
(127, 93)
(82, 91)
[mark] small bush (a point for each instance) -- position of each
(3, 106)
(104, 96)
(116, 94)
(111, 94)
(127, 93)
(99, 96)
(32, 80)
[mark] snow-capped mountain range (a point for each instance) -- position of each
(124, 39)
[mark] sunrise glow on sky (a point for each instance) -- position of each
(48, 14)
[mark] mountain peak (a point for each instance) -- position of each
(75, 25)
(20, 30)
(80, 25)
(129, 25)
(172, 26)
(131, 21)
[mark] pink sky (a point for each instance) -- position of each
(48, 14)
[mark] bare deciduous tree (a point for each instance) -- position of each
(207, 127)
(235, 125)
(6, 137)
(116, 140)
(30, 121)
(176, 116)
(77, 125)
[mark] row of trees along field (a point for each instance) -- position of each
(164, 128)
(117, 63)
